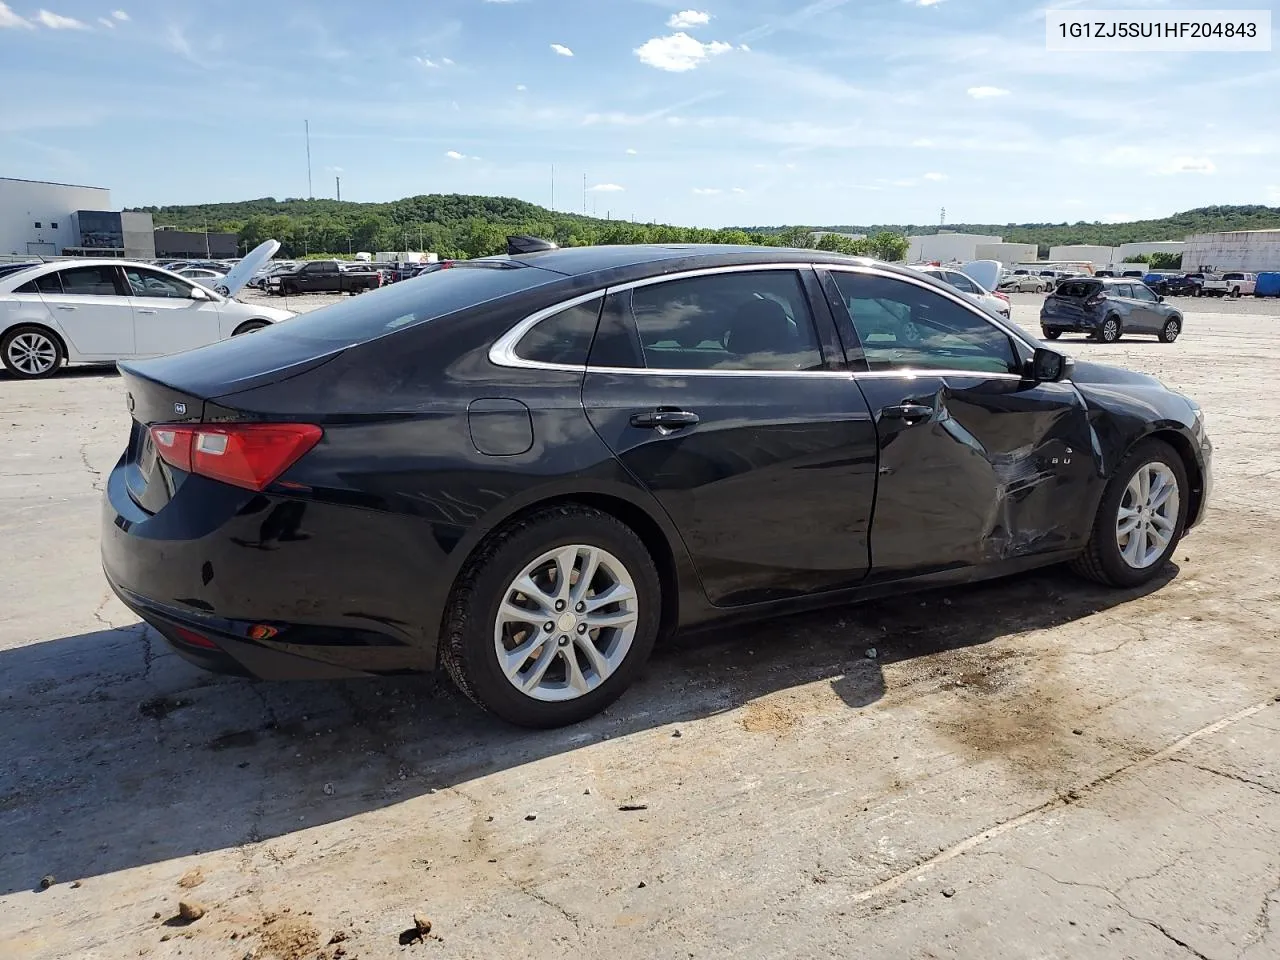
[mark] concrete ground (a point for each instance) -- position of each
(1036, 768)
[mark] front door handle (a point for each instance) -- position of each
(910, 412)
(65, 306)
(146, 311)
(664, 419)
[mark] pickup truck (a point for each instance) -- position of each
(324, 276)
(1229, 284)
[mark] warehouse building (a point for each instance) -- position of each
(171, 242)
(947, 247)
(1127, 251)
(37, 217)
(1083, 253)
(1254, 251)
(1006, 253)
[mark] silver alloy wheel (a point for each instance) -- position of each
(33, 353)
(566, 623)
(1148, 515)
(1110, 330)
(1171, 330)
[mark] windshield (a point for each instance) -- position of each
(412, 301)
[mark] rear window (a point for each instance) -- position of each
(1078, 289)
(412, 301)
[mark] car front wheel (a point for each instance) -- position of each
(1140, 520)
(1052, 334)
(553, 618)
(1169, 332)
(1109, 332)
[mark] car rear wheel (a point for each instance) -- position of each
(249, 326)
(31, 353)
(1051, 334)
(553, 618)
(1169, 332)
(1140, 520)
(1109, 332)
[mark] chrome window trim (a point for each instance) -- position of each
(503, 354)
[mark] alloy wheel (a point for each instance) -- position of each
(1148, 515)
(1171, 331)
(32, 353)
(1110, 331)
(566, 623)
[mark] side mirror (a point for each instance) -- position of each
(1159, 298)
(1049, 366)
(199, 293)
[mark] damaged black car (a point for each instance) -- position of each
(525, 469)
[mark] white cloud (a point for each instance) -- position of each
(688, 18)
(455, 155)
(678, 52)
(606, 188)
(1189, 165)
(119, 15)
(447, 62)
(632, 151)
(744, 48)
(56, 21)
(738, 190)
(109, 24)
(924, 3)
(562, 50)
(10, 19)
(707, 191)
(985, 93)
(521, 87)
(935, 176)
(431, 64)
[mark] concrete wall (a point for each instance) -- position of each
(190, 244)
(1007, 253)
(946, 247)
(1251, 250)
(139, 236)
(1098, 256)
(24, 203)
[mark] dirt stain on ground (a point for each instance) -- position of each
(769, 716)
(289, 938)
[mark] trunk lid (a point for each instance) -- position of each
(1071, 299)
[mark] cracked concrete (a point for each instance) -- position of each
(1037, 768)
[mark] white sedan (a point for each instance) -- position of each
(204, 276)
(100, 311)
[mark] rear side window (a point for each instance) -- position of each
(563, 337)
(727, 321)
(1078, 289)
(961, 282)
(410, 302)
(89, 281)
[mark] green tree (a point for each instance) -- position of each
(1165, 261)
(801, 237)
(889, 247)
(836, 243)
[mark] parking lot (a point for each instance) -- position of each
(1037, 767)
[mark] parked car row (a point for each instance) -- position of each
(324, 276)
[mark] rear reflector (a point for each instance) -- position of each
(249, 455)
(193, 639)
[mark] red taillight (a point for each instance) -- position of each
(194, 639)
(1094, 301)
(1002, 296)
(249, 455)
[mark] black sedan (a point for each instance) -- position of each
(527, 468)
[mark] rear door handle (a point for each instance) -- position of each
(64, 306)
(146, 311)
(910, 412)
(664, 419)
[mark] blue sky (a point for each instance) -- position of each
(691, 112)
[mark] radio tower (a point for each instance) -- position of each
(942, 219)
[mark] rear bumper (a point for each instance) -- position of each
(282, 588)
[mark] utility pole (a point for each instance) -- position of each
(420, 248)
(207, 255)
(942, 220)
(306, 125)
(338, 182)
(553, 188)
(584, 194)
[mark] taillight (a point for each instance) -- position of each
(1002, 296)
(249, 455)
(194, 639)
(1095, 300)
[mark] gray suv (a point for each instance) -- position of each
(1107, 308)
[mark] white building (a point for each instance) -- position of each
(36, 216)
(1252, 250)
(1007, 253)
(1084, 253)
(947, 247)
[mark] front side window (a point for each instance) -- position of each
(903, 326)
(563, 337)
(961, 282)
(89, 282)
(740, 320)
(148, 283)
(1140, 292)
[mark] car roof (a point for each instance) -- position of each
(637, 260)
(19, 277)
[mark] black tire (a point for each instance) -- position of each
(1169, 332)
(1051, 334)
(467, 640)
(1197, 292)
(1110, 330)
(249, 326)
(45, 336)
(1235, 293)
(1101, 560)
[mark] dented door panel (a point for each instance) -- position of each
(987, 469)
